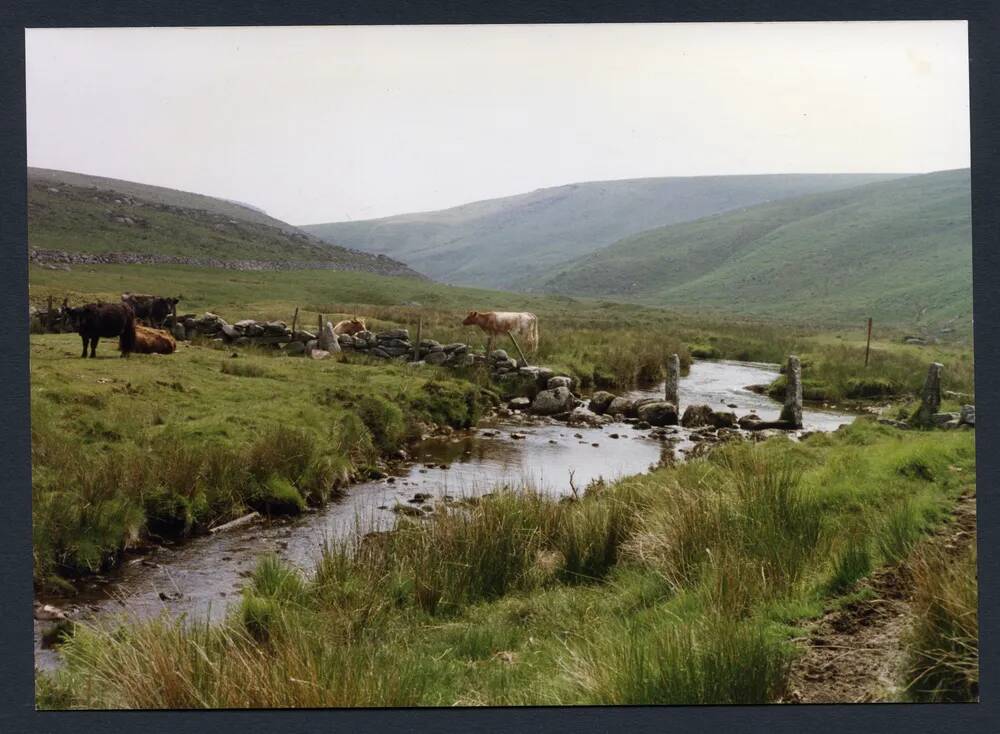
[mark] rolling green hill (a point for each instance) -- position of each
(516, 241)
(899, 251)
(77, 213)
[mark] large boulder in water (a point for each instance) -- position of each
(583, 417)
(658, 413)
(697, 415)
(600, 401)
(724, 419)
(550, 402)
(621, 406)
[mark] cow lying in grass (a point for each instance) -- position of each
(498, 323)
(350, 327)
(95, 320)
(153, 341)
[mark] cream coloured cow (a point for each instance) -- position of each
(498, 323)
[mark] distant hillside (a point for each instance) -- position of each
(76, 213)
(899, 251)
(517, 240)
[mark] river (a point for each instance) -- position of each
(201, 576)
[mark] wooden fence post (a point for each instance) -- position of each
(518, 347)
(868, 344)
(295, 320)
(416, 343)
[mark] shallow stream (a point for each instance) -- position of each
(201, 576)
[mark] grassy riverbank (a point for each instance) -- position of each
(679, 586)
(167, 445)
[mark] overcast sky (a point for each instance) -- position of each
(333, 123)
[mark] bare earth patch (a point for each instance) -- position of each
(853, 653)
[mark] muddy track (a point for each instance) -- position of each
(853, 654)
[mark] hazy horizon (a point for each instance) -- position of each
(326, 124)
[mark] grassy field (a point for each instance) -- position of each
(601, 343)
(679, 586)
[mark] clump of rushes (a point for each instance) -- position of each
(942, 647)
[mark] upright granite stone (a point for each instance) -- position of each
(673, 381)
(792, 412)
(328, 339)
(930, 396)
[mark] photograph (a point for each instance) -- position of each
(501, 365)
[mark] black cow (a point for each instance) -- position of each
(95, 320)
(152, 310)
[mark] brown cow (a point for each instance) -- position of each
(498, 323)
(95, 320)
(350, 326)
(153, 341)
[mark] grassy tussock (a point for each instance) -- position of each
(745, 533)
(243, 369)
(708, 661)
(510, 541)
(656, 589)
(942, 661)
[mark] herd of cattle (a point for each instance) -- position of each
(136, 322)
